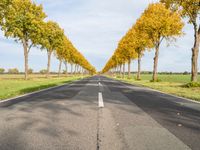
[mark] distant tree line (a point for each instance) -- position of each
(164, 73)
(30, 71)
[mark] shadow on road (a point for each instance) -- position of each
(180, 117)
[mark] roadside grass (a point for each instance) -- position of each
(31, 76)
(171, 84)
(15, 85)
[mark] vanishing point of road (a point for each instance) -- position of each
(99, 113)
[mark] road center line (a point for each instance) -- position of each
(100, 98)
(100, 85)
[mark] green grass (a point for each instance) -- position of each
(14, 85)
(168, 78)
(171, 84)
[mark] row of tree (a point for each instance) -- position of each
(160, 21)
(24, 21)
(43, 71)
(10, 71)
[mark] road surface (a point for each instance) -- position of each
(99, 113)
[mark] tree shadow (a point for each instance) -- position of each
(42, 108)
(46, 113)
(179, 116)
(32, 89)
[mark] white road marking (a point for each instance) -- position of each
(180, 125)
(100, 84)
(100, 98)
(100, 87)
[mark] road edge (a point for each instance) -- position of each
(19, 98)
(187, 99)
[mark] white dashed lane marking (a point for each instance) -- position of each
(100, 98)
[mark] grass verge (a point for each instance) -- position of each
(170, 84)
(14, 86)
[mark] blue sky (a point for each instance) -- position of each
(95, 27)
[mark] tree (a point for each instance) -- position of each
(2, 70)
(142, 42)
(126, 48)
(62, 54)
(51, 39)
(22, 22)
(160, 23)
(13, 71)
(43, 71)
(189, 9)
(30, 71)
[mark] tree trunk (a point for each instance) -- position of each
(60, 66)
(25, 45)
(71, 68)
(115, 71)
(66, 68)
(133, 70)
(78, 69)
(129, 69)
(139, 67)
(82, 70)
(120, 70)
(155, 68)
(195, 54)
(124, 70)
(49, 63)
(75, 69)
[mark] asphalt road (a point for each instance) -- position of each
(72, 117)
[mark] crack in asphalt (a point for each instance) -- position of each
(99, 128)
(99, 118)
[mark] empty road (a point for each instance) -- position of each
(99, 113)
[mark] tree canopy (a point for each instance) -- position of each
(189, 9)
